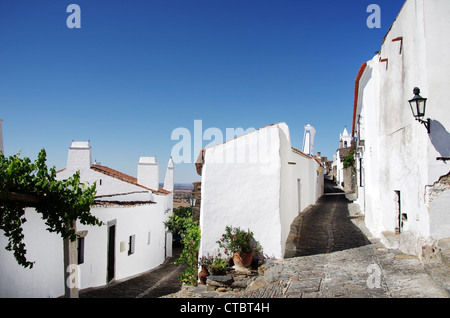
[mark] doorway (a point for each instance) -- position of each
(398, 212)
(111, 261)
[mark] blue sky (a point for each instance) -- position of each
(137, 70)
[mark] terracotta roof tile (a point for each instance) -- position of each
(300, 152)
(126, 178)
(355, 102)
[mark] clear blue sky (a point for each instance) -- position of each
(137, 70)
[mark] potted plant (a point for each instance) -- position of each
(239, 244)
(218, 266)
(204, 262)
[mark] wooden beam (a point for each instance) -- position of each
(26, 198)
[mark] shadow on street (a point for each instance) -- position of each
(327, 226)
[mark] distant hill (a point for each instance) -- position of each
(181, 186)
(184, 186)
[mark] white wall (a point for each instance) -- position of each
(368, 100)
(245, 194)
(297, 168)
(440, 220)
(109, 185)
(259, 193)
(46, 278)
(138, 221)
(399, 154)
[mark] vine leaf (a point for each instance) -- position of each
(60, 202)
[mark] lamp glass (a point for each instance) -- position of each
(192, 201)
(421, 103)
(418, 105)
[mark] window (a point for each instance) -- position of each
(149, 238)
(80, 250)
(131, 244)
(361, 173)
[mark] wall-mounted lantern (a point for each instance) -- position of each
(192, 201)
(418, 105)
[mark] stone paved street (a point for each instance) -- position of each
(329, 254)
(325, 227)
(158, 282)
(368, 271)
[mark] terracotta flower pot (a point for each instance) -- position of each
(203, 274)
(243, 259)
(214, 270)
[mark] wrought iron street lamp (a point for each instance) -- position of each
(418, 105)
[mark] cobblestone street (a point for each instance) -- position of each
(367, 271)
(325, 227)
(329, 254)
(158, 282)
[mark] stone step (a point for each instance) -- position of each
(444, 247)
(390, 239)
(438, 264)
(219, 280)
(440, 273)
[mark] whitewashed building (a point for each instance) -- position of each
(131, 241)
(258, 182)
(342, 152)
(402, 175)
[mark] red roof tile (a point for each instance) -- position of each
(355, 104)
(124, 177)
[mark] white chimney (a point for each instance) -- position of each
(308, 140)
(148, 172)
(80, 156)
(168, 181)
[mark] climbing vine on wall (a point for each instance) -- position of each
(25, 183)
(182, 223)
(349, 161)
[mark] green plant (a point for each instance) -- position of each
(219, 265)
(181, 223)
(235, 240)
(349, 161)
(206, 260)
(216, 264)
(60, 202)
(189, 255)
(258, 251)
(178, 220)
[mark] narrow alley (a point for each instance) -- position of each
(325, 227)
(329, 254)
(158, 282)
